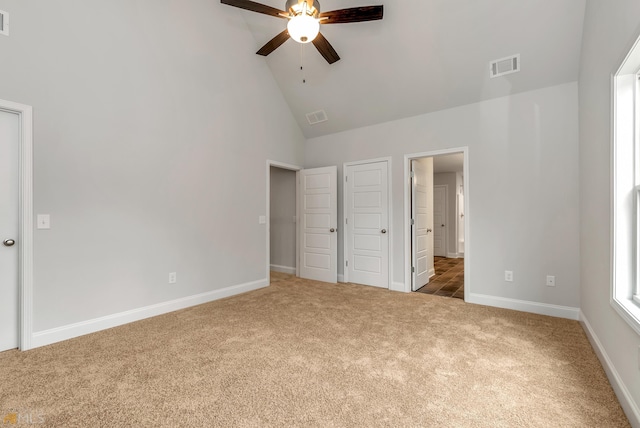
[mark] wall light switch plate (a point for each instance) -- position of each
(43, 221)
(551, 281)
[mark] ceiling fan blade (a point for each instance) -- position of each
(353, 14)
(274, 43)
(255, 7)
(325, 49)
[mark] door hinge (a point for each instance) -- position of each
(413, 269)
(347, 262)
(412, 174)
(346, 178)
(346, 221)
(413, 222)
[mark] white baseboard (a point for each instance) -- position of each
(455, 255)
(525, 306)
(340, 277)
(397, 286)
(70, 331)
(283, 269)
(629, 406)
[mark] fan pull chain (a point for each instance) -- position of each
(304, 79)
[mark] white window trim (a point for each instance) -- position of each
(625, 131)
(635, 288)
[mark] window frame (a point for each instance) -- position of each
(635, 287)
(625, 188)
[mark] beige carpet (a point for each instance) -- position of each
(303, 353)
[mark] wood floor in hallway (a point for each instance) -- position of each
(448, 280)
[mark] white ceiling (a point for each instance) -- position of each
(424, 56)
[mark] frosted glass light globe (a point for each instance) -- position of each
(303, 28)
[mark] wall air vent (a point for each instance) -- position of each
(503, 66)
(317, 117)
(4, 23)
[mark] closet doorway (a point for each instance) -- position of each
(282, 237)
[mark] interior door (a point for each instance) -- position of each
(319, 224)
(422, 266)
(9, 159)
(460, 248)
(439, 221)
(367, 220)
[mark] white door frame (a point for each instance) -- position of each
(295, 168)
(446, 213)
(345, 236)
(407, 215)
(25, 228)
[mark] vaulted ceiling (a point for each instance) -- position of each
(424, 56)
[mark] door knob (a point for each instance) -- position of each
(9, 242)
(442, 225)
(384, 231)
(332, 230)
(428, 230)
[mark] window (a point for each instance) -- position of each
(625, 170)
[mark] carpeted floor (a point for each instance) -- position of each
(303, 353)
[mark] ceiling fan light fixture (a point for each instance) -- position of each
(303, 28)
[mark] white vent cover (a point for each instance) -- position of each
(503, 66)
(4, 23)
(317, 117)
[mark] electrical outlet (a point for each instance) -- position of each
(551, 281)
(508, 276)
(173, 278)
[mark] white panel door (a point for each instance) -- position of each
(367, 220)
(439, 221)
(319, 224)
(422, 216)
(9, 159)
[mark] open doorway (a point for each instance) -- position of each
(435, 226)
(282, 220)
(302, 222)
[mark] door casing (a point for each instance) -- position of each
(25, 227)
(407, 217)
(295, 168)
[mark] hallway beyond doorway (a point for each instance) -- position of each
(448, 280)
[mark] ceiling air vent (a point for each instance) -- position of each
(503, 66)
(4, 23)
(317, 117)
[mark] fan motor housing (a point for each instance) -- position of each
(293, 7)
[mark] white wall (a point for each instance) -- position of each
(609, 30)
(153, 120)
(283, 226)
(523, 153)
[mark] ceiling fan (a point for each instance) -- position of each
(304, 22)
